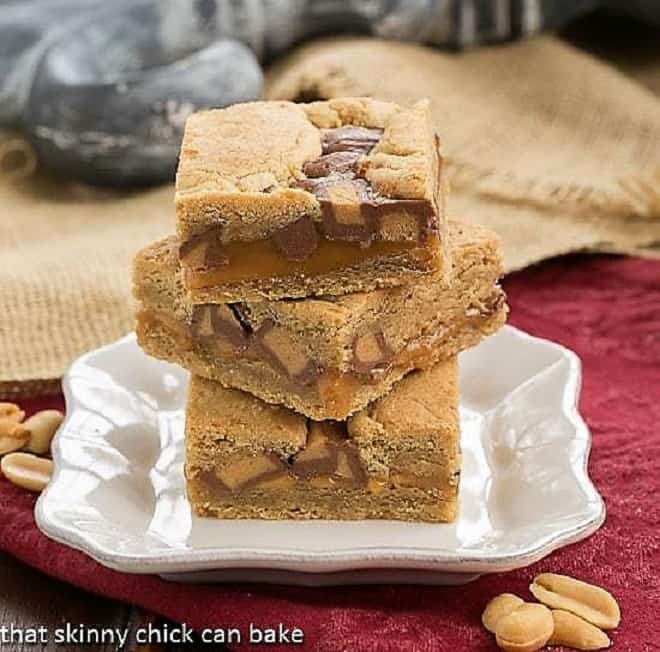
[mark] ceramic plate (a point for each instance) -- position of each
(118, 488)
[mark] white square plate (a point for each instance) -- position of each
(118, 488)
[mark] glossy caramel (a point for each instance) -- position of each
(261, 260)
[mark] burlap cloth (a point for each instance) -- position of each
(556, 151)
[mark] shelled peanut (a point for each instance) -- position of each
(573, 614)
(30, 469)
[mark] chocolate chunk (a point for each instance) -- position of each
(203, 251)
(242, 313)
(212, 483)
(371, 352)
(316, 460)
(396, 222)
(278, 347)
(326, 431)
(350, 209)
(298, 240)
(419, 472)
(315, 186)
(343, 211)
(243, 471)
(217, 322)
(329, 453)
(350, 139)
(404, 219)
(201, 321)
(337, 163)
(349, 465)
(320, 185)
(347, 192)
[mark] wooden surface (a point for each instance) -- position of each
(29, 599)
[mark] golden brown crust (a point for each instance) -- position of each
(270, 385)
(238, 166)
(337, 335)
(216, 156)
(329, 324)
(242, 455)
(241, 419)
(420, 406)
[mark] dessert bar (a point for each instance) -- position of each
(397, 459)
(325, 357)
(276, 199)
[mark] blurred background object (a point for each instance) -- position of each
(102, 90)
(17, 158)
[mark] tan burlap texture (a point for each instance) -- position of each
(556, 151)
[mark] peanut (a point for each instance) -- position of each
(590, 602)
(41, 428)
(525, 629)
(10, 419)
(573, 631)
(12, 433)
(286, 351)
(501, 605)
(27, 470)
(13, 439)
(11, 412)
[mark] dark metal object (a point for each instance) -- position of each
(103, 95)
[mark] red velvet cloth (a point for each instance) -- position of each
(608, 311)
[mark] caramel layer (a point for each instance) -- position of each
(261, 259)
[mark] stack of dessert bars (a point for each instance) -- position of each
(319, 298)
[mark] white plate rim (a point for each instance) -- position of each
(306, 562)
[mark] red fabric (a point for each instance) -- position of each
(605, 309)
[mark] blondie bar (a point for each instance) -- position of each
(276, 199)
(325, 357)
(397, 459)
